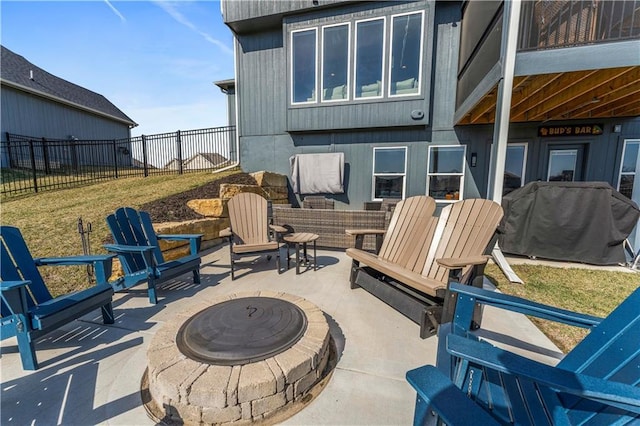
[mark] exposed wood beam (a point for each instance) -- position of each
(536, 83)
(547, 92)
(622, 98)
(592, 90)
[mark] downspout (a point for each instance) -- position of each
(235, 76)
(511, 22)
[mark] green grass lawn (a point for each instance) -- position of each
(589, 291)
(49, 220)
(49, 223)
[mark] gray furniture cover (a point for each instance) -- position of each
(573, 221)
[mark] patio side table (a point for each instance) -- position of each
(297, 239)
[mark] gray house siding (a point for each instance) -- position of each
(271, 130)
(26, 114)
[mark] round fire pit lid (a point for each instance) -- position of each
(241, 331)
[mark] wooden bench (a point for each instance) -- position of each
(421, 253)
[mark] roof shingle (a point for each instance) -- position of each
(17, 70)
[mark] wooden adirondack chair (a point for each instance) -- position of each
(28, 309)
(250, 233)
(138, 249)
(420, 254)
(595, 383)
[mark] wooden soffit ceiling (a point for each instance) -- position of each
(603, 93)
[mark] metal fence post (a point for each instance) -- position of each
(179, 147)
(33, 166)
(9, 156)
(45, 157)
(144, 156)
(115, 158)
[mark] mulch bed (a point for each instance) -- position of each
(174, 207)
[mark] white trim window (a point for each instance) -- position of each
(335, 62)
(405, 65)
(369, 58)
(389, 172)
(445, 172)
(515, 167)
(629, 169)
(304, 60)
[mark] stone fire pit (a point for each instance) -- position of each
(184, 386)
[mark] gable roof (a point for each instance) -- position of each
(17, 72)
(212, 157)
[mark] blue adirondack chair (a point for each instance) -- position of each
(140, 255)
(595, 383)
(28, 309)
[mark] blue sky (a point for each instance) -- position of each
(155, 60)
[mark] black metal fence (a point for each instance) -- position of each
(34, 164)
(559, 23)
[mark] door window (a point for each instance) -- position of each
(562, 165)
(629, 168)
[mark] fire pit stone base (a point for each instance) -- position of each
(192, 392)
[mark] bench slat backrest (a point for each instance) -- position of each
(17, 264)
(464, 229)
(410, 232)
(248, 216)
(134, 228)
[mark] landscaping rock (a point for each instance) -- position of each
(265, 179)
(228, 190)
(209, 207)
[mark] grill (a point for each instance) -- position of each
(242, 331)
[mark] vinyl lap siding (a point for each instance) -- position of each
(30, 115)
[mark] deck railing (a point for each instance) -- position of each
(34, 164)
(549, 24)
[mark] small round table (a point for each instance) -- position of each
(303, 238)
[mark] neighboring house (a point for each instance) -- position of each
(199, 161)
(407, 90)
(39, 104)
(204, 160)
(173, 165)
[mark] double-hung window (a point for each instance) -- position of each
(629, 168)
(303, 66)
(369, 58)
(445, 173)
(405, 66)
(335, 62)
(389, 172)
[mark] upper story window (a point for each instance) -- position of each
(406, 54)
(369, 58)
(303, 66)
(445, 174)
(335, 62)
(359, 59)
(389, 172)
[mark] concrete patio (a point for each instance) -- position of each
(91, 374)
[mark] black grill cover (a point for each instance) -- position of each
(574, 221)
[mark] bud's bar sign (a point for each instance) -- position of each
(575, 130)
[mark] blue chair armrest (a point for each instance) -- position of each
(12, 285)
(605, 391)
(122, 249)
(194, 240)
(14, 296)
(524, 306)
(437, 393)
(102, 264)
(178, 236)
